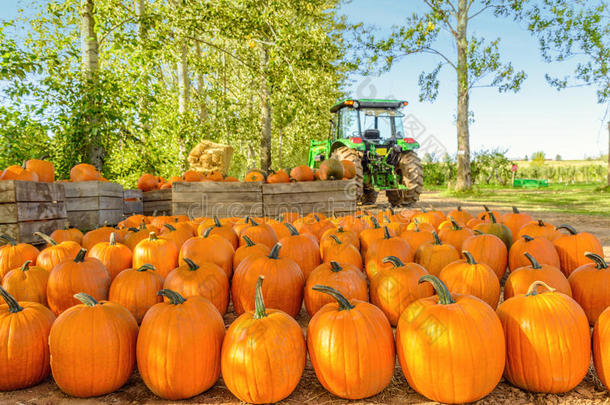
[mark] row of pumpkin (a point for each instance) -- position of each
(453, 336)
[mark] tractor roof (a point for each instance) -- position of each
(368, 103)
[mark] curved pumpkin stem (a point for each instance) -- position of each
(394, 260)
(533, 289)
(112, 240)
(492, 217)
(569, 228)
(527, 238)
(375, 222)
(249, 241)
(152, 236)
(600, 263)
(343, 302)
(386, 233)
(170, 227)
(459, 208)
(469, 257)
(335, 266)
(253, 222)
(207, 232)
(217, 222)
(259, 302)
(416, 222)
(444, 296)
(486, 208)
(292, 229)
(13, 305)
(336, 239)
(275, 251)
(533, 261)
(173, 297)
(192, 265)
(516, 210)
(80, 256)
(86, 299)
(477, 232)
(145, 267)
(540, 223)
(26, 265)
(437, 240)
(132, 229)
(46, 238)
(456, 226)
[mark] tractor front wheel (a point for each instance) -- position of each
(410, 171)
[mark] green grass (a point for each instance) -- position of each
(588, 199)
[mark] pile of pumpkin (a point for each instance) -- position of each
(73, 309)
(330, 169)
(44, 171)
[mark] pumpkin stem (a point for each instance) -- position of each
(540, 223)
(516, 210)
(492, 217)
(340, 229)
(249, 241)
(444, 296)
(173, 297)
(386, 233)
(335, 267)
(477, 232)
(170, 227)
(485, 208)
(152, 236)
(533, 290)
(26, 265)
(253, 222)
(469, 257)
(80, 256)
(112, 239)
(569, 228)
(343, 302)
(86, 299)
(394, 260)
(336, 239)
(316, 217)
(527, 238)
(459, 208)
(132, 229)
(437, 240)
(292, 229)
(416, 221)
(456, 226)
(46, 238)
(145, 267)
(600, 263)
(192, 265)
(259, 302)
(375, 222)
(217, 221)
(207, 232)
(275, 251)
(13, 305)
(533, 261)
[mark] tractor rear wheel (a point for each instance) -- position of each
(410, 171)
(345, 153)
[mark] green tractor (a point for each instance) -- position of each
(370, 134)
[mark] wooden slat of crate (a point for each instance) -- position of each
(24, 231)
(93, 203)
(87, 220)
(11, 213)
(157, 200)
(220, 199)
(29, 191)
(329, 197)
(93, 188)
(133, 206)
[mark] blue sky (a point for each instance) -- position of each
(568, 123)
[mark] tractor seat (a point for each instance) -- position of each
(372, 134)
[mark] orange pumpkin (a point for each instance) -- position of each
(455, 235)
(84, 172)
(436, 255)
(225, 231)
(161, 253)
(345, 278)
(488, 249)
(24, 347)
(340, 328)
(496, 228)
(472, 278)
(115, 256)
(369, 235)
(284, 282)
(263, 354)
(434, 333)
(192, 176)
(209, 248)
(13, 254)
(302, 173)
(259, 233)
(178, 236)
(62, 235)
(249, 249)
(516, 220)
(43, 169)
(540, 248)
(214, 175)
(136, 290)
(349, 169)
(278, 177)
(538, 327)
(342, 235)
(387, 246)
(460, 215)
(254, 176)
(416, 237)
(18, 173)
(96, 236)
(148, 182)
(519, 280)
(539, 228)
(96, 342)
(341, 252)
(588, 283)
(183, 331)
(601, 347)
(303, 249)
(27, 283)
(486, 215)
(56, 252)
(207, 280)
(394, 288)
(572, 248)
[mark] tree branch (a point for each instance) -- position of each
(436, 52)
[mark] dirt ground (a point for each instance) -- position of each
(310, 391)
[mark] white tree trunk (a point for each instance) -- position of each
(203, 108)
(265, 111)
(183, 79)
(89, 45)
(463, 156)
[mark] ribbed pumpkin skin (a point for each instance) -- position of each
(161, 253)
(96, 236)
(380, 248)
(53, 255)
(417, 238)
(304, 250)
(515, 221)
(70, 277)
(208, 281)
(263, 359)
(214, 249)
(344, 364)
(572, 248)
(394, 289)
(601, 347)
(93, 349)
(13, 256)
(349, 281)
(451, 353)
(29, 284)
(136, 291)
(435, 257)
(548, 345)
(590, 289)
(62, 235)
(538, 228)
(343, 253)
(188, 337)
(478, 280)
(117, 257)
(488, 249)
(244, 251)
(519, 281)
(24, 347)
(541, 248)
(259, 233)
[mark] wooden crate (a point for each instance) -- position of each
(157, 201)
(132, 202)
(27, 207)
(205, 199)
(328, 197)
(90, 204)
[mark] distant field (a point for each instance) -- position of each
(562, 163)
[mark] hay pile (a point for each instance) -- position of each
(208, 156)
